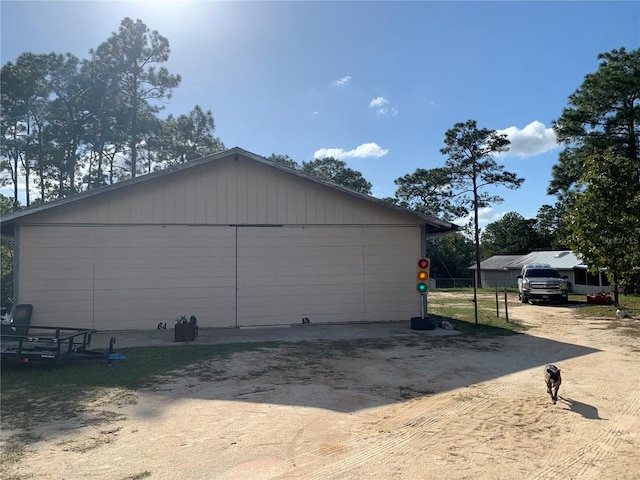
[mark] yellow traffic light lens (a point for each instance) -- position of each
(421, 287)
(422, 275)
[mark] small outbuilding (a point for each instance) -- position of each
(502, 270)
(232, 238)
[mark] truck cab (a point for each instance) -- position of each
(540, 281)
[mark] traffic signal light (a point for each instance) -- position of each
(422, 275)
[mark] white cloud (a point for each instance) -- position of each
(342, 81)
(365, 150)
(532, 140)
(382, 107)
(378, 102)
(486, 215)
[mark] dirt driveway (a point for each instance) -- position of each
(406, 408)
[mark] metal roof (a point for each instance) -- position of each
(563, 259)
(559, 259)
(433, 225)
(500, 262)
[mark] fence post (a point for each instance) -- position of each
(497, 302)
(506, 303)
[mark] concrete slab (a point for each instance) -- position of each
(280, 333)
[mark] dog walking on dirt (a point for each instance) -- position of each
(553, 379)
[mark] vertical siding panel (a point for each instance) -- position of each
(252, 181)
(310, 206)
(281, 200)
(224, 185)
(180, 189)
(169, 203)
(202, 197)
(113, 210)
(101, 210)
(292, 197)
(241, 193)
(153, 207)
(262, 196)
(145, 201)
(336, 210)
(349, 212)
(301, 204)
(134, 201)
(122, 209)
(271, 185)
(320, 205)
(190, 197)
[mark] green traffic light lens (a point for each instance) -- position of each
(421, 287)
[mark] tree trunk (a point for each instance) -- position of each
(476, 233)
(134, 123)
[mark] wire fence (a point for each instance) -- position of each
(453, 282)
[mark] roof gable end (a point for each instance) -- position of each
(434, 225)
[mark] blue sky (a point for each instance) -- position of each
(376, 84)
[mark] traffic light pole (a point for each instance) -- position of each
(423, 266)
(423, 306)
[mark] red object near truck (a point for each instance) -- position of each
(600, 298)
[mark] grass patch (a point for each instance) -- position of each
(630, 304)
(29, 390)
(460, 311)
(139, 369)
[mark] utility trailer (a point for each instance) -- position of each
(51, 343)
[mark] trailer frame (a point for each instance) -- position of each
(50, 343)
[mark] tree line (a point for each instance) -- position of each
(71, 124)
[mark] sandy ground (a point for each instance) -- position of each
(411, 408)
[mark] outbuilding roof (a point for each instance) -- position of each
(433, 225)
(560, 259)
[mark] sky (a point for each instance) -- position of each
(376, 84)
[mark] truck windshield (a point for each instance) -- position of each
(543, 272)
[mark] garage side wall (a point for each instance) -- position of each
(235, 242)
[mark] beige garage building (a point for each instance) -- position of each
(231, 238)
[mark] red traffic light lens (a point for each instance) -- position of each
(423, 263)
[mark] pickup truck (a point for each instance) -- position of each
(539, 281)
